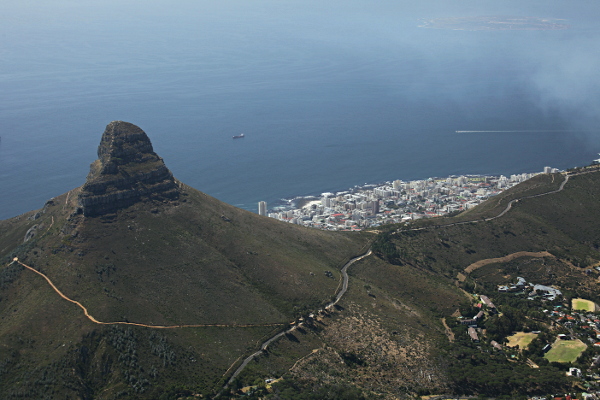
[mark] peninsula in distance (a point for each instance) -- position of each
(138, 286)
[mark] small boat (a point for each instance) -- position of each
(241, 135)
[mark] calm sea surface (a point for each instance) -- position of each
(328, 96)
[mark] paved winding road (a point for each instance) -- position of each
(345, 279)
(510, 203)
(266, 344)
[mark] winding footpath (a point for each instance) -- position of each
(478, 264)
(94, 320)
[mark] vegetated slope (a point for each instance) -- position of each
(380, 341)
(573, 211)
(197, 262)
(183, 258)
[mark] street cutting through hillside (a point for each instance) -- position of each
(503, 212)
(265, 345)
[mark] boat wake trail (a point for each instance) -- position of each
(519, 131)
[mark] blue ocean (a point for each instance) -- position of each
(329, 95)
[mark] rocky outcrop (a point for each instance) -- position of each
(127, 171)
(31, 232)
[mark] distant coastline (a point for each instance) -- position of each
(299, 201)
(372, 205)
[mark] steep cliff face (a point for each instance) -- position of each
(127, 171)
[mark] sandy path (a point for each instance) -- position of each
(449, 332)
(510, 257)
(94, 320)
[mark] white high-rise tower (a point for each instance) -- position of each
(262, 208)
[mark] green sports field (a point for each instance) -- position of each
(582, 304)
(565, 351)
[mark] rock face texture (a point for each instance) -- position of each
(127, 171)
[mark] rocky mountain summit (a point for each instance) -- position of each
(127, 171)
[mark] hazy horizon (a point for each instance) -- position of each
(329, 95)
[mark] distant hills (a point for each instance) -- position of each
(135, 245)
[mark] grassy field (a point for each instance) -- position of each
(582, 304)
(521, 339)
(565, 351)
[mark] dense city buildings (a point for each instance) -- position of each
(397, 201)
